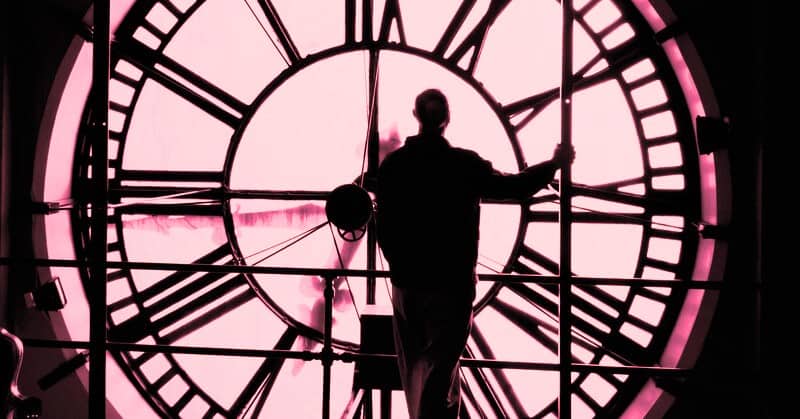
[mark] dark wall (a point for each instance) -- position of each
(38, 33)
(730, 379)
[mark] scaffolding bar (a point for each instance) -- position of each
(348, 357)
(565, 222)
(327, 354)
(322, 272)
(99, 218)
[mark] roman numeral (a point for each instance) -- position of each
(391, 15)
(654, 202)
(182, 302)
(158, 375)
(182, 81)
(536, 103)
(487, 389)
(198, 194)
(526, 255)
(287, 48)
(550, 411)
(476, 37)
(156, 385)
(263, 379)
(588, 320)
(618, 60)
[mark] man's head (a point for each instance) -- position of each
(432, 111)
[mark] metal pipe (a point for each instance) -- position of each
(327, 354)
(99, 216)
(565, 222)
(322, 272)
(348, 357)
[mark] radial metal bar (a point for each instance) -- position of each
(373, 146)
(322, 272)
(327, 354)
(565, 222)
(99, 216)
(354, 356)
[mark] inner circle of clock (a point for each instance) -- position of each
(308, 137)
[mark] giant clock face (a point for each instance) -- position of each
(231, 121)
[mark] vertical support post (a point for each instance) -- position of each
(327, 348)
(386, 404)
(372, 166)
(99, 205)
(368, 407)
(565, 222)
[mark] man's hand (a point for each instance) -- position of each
(563, 155)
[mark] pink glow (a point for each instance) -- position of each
(693, 85)
(654, 18)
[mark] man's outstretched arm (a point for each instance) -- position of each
(530, 180)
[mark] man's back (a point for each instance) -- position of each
(429, 208)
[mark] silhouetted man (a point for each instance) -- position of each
(428, 213)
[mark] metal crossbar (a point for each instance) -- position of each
(327, 355)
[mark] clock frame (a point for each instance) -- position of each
(461, 59)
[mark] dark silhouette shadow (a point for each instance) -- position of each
(428, 212)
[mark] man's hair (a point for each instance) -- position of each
(432, 109)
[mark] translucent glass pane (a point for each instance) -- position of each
(597, 249)
(225, 44)
(312, 25)
(473, 124)
(531, 33)
(310, 133)
(170, 133)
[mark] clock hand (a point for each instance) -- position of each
(371, 146)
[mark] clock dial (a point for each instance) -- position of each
(230, 122)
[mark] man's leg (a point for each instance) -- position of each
(406, 342)
(431, 330)
(447, 325)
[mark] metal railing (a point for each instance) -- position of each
(327, 354)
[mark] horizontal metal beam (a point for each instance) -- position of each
(355, 356)
(327, 272)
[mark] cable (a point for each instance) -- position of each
(490, 260)
(263, 28)
(341, 265)
(300, 236)
(151, 199)
(281, 242)
(620, 216)
(370, 115)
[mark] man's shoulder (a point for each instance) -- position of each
(414, 147)
(470, 158)
(394, 155)
(467, 153)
